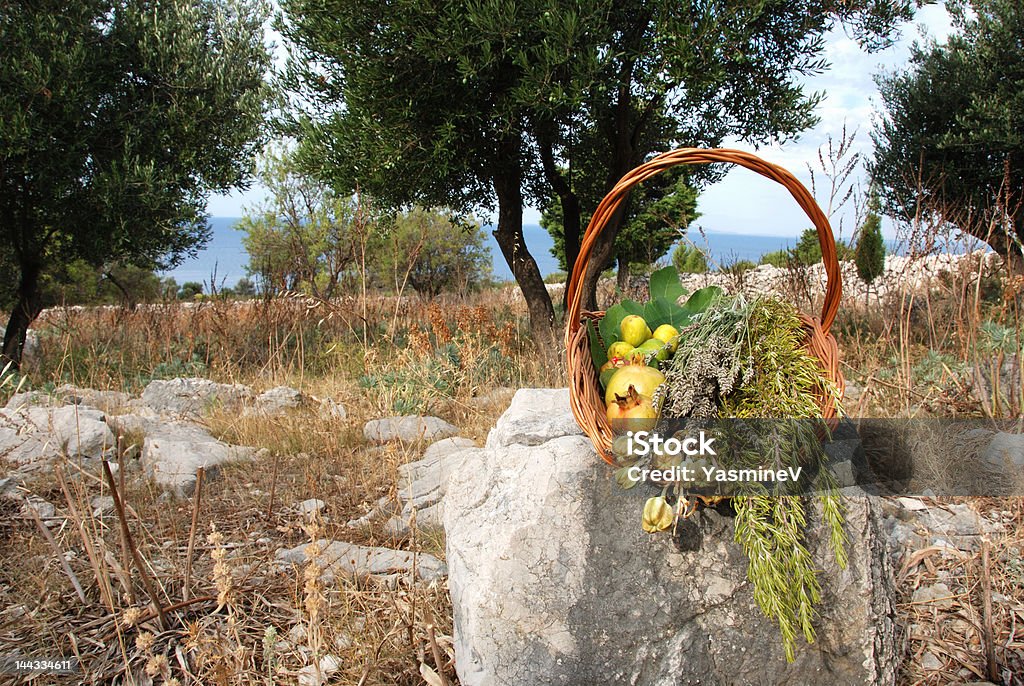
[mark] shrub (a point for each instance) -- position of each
(687, 259)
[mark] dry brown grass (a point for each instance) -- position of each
(404, 356)
(983, 611)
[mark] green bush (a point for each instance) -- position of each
(776, 258)
(689, 260)
(739, 267)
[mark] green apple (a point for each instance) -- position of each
(666, 333)
(634, 330)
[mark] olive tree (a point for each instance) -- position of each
(119, 118)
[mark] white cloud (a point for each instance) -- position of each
(850, 99)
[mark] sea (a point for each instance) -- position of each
(223, 261)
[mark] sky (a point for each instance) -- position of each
(744, 202)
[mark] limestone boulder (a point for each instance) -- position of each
(553, 580)
(192, 397)
(172, 451)
(422, 484)
(37, 434)
(408, 429)
(540, 415)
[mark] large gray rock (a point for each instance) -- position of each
(32, 434)
(108, 401)
(357, 561)
(192, 397)
(1004, 451)
(408, 429)
(553, 581)
(277, 400)
(422, 484)
(172, 452)
(540, 415)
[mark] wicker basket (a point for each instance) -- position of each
(585, 396)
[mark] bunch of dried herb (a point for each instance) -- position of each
(707, 365)
(743, 359)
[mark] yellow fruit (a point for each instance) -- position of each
(666, 333)
(632, 412)
(658, 515)
(641, 378)
(634, 330)
(620, 349)
(655, 347)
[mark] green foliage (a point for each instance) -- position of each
(433, 251)
(808, 251)
(746, 360)
(119, 119)
(662, 308)
(303, 237)
(688, 259)
(948, 142)
(189, 290)
(870, 252)
(475, 105)
(776, 258)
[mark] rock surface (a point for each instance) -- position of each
(540, 415)
(192, 397)
(422, 484)
(1005, 450)
(38, 434)
(553, 581)
(408, 429)
(277, 400)
(172, 451)
(108, 401)
(351, 560)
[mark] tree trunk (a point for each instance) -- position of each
(600, 258)
(129, 301)
(25, 310)
(622, 274)
(509, 235)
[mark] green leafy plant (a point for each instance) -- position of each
(662, 308)
(746, 360)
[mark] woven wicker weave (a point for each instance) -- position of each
(585, 396)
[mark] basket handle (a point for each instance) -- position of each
(612, 201)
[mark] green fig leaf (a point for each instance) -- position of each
(665, 285)
(622, 477)
(658, 312)
(597, 351)
(609, 326)
(699, 301)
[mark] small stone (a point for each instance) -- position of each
(102, 505)
(347, 559)
(42, 508)
(938, 595)
(297, 634)
(1005, 450)
(332, 409)
(310, 507)
(930, 663)
(318, 674)
(276, 401)
(912, 504)
(408, 429)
